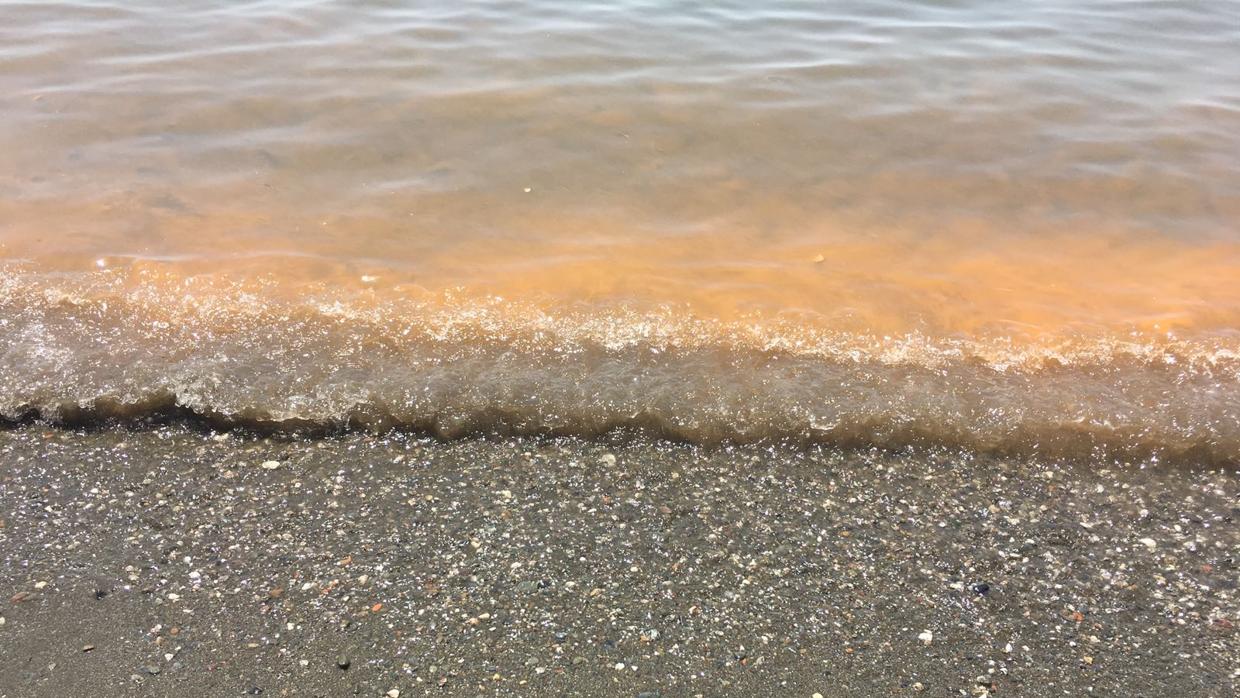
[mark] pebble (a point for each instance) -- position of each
(153, 670)
(270, 464)
(926, 637)
(394, 693)
(342, 662)
(1149, 542)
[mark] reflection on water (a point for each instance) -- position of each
(1010, 178)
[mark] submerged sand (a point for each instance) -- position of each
(174, 561)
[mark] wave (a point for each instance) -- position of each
(85, 349)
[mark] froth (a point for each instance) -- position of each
(143, 343)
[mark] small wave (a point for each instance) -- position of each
(89, 349)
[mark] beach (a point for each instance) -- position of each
(639, 348)
(175, 561)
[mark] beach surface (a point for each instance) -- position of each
(619, 349)
(173, 560)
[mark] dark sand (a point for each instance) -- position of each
(173, 562)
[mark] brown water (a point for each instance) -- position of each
(999, 225)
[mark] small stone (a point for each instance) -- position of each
(926, 637)
(342, 662)
(619, 666)
(919, 686)
(87, 648)
(1149, 542)
(153, 670)
(270, 464)
(817, 695)
(608, 459)
(394, 693)
(40, 585)
(819, 259)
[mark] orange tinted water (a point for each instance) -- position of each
(967, 188)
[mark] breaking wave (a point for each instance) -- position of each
(82, 349)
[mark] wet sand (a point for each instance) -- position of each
(173, 561)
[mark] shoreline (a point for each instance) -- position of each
(214, 564)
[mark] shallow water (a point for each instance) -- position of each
(981, 224)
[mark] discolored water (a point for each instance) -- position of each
(998, 225)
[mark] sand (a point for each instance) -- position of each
(178, 561)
